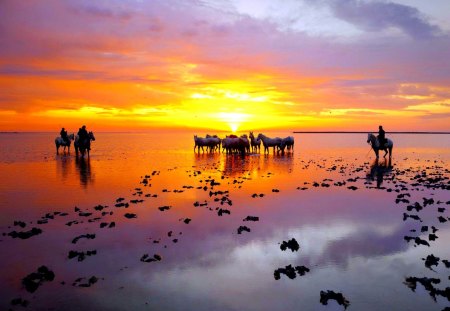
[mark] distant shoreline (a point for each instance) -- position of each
(359, 132)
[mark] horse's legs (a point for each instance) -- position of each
(390, 152)
(57, 148)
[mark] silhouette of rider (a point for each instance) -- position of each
(381, 136)
(83, 134)
(64, 136)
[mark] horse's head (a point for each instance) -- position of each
(91, 136)
(369, 137)
(260, 136)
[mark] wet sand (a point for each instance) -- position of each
(147, 224)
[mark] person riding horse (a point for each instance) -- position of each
(83, 135)
(381, 137)
(64, 135)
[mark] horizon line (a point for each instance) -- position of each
(365, 132)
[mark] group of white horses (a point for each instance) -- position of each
(81, 146)
(242, 144)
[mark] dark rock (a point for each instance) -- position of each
(340, 299)
(35, 279)
(416, 206)
(431, 260)
(251, 218)
(130, 215)
(164, 208)
(91, 281)
(446, 263)
(99, 207)
(352, 188)
(243, 228)
(25, 234)
(87, 236)
(187, 220)
(84, 214)
(292, 244)
(81, 255)
(21, 224)
(223, 211)
(432, 237)
(147, 258)
(419, 241)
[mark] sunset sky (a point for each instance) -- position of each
(225, 65)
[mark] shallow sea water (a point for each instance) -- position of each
(353, 241)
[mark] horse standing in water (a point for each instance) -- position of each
(83, 146)
(387, 148)
(255, 143)
(61, 142)
(270, 142)
(287, 142)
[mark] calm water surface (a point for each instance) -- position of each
(351, 240)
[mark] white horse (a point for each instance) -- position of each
(287, 142)
(255, 143)
(61, 142)
(373, 141)
(214, 142)
(270, 142)
(200, 142)
(83, 146)
(233, 143)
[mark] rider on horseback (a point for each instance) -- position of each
(83, 135)
(381, 137)
(64, 136)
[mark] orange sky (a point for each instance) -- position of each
(131, 65)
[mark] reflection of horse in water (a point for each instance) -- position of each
(64, 143)
(378, 170)
(83, 145)
(373, 141)
(83, 166)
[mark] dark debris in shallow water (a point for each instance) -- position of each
(338, 297)
(34, 280)
(292, 244)
(290, 271)
(25, 234)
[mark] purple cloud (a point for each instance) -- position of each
(376, 16)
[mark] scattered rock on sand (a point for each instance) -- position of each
(431, 260)
(35, 279)
(290, 272)
(89, 282)
(147, 258)
(292, 244)
(130, 215)
(25, 234)
(251, 218)
(329, 294)
(86, 236)
(243, 228)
